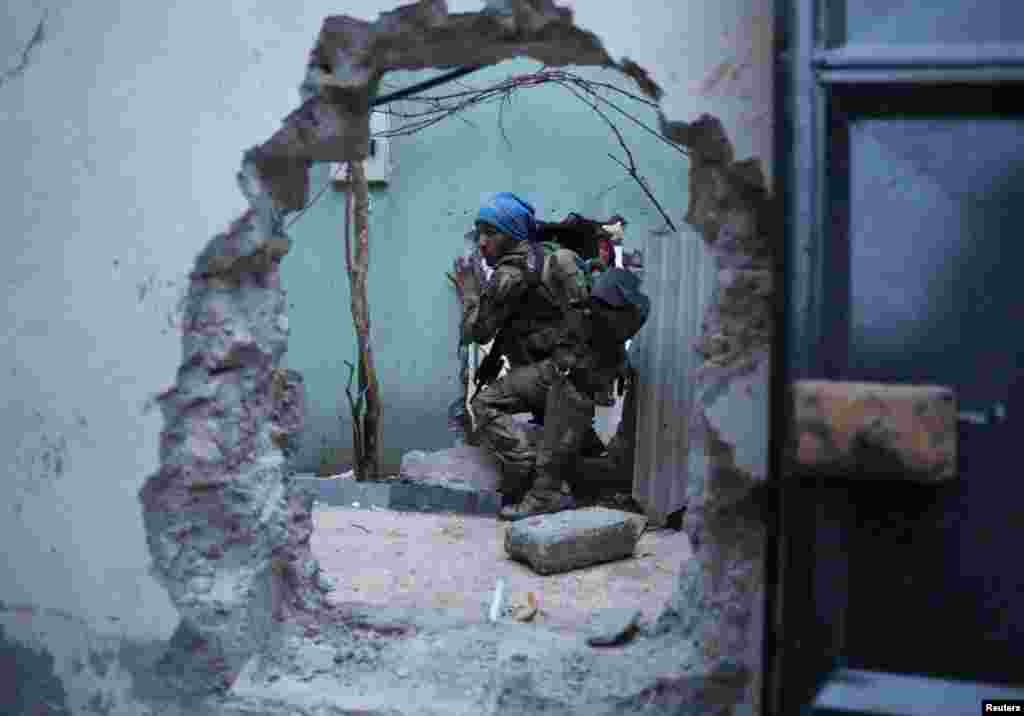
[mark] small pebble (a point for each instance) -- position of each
(613, 626)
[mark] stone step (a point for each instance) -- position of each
(457, 480)
(403, 496)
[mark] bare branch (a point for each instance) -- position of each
(631, 168)
(619, 162)
(507, 99)
(356, 407)
(424, 111)
(650, 130)
(608, 188)
(348, 223)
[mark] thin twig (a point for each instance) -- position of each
(507, 99)
(356, 407)
(650, 130)
(608, 188)
(643, 185)
(314, 199)
(631, 168)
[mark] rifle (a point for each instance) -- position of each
(490, 367)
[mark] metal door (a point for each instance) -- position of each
(905, 240)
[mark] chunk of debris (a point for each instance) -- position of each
(569, 540)
(526, 612)
(613, 626)
(466, 465)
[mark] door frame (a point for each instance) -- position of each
(819, 80)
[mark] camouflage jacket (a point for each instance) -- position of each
(529, 298)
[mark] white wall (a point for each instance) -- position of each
(120, 142)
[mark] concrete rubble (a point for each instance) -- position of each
(551, 544)
(229, 534)
(613, 626)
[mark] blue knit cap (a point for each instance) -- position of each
(509, 214)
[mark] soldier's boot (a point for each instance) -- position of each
(547, 496)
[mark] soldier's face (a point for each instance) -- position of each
(490, 243)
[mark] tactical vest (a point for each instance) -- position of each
(536, 325)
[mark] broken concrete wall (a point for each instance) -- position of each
(122, 183)
(720, 597)
(115, 183)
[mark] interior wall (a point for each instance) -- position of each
(122, 126)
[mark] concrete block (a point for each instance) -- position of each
(466, 466)
(874, 430)
(418, 497)
(341, 492)
(573, 539)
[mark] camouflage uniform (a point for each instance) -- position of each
(538, 306)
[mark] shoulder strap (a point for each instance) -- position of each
(546, 251)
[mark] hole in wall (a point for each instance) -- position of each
(231, 533)
(421, 549)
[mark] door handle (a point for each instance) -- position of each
(993, 415)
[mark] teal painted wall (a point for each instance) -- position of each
(556, 156)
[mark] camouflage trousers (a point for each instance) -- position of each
(568, 418)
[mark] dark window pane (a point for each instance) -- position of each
(937, 252)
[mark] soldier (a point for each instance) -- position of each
(537, 298)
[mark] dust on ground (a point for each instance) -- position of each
(418, 560)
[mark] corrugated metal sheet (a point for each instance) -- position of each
(679, 276)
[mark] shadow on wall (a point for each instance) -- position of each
(28, 681)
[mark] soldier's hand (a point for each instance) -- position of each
(465, 279)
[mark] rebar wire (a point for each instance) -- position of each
(501, 91)
(425, 85)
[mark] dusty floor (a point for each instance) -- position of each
(453, 561)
